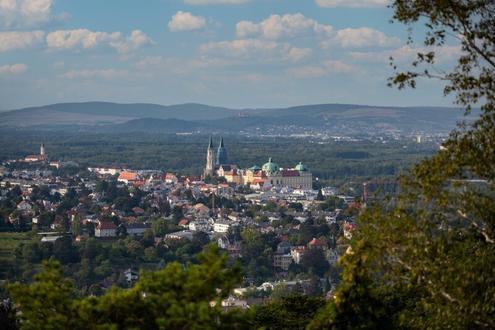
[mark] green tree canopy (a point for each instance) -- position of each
(175, 297)
(425, 260)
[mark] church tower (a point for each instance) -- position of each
(222, 158)
(210, 160)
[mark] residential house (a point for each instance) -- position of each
(184, 223)
(200, 225)
(180, 235)
(282, 260)
(316, 243)
(131, 276)
(105, 229)
(234, 303)
(136, 228)
(221, 226)
(128, 177)
(297, 253)
(349, 228)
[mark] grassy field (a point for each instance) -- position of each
(8, 244)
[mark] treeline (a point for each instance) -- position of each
(175, 297)
(186, 154)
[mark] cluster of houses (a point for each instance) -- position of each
(177, 192)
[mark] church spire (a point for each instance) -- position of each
(222, 158)
(210, 160)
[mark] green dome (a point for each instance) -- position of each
(301, 167)
(270, 167)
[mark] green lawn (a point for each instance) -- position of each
(8, 244)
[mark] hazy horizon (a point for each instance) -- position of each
(453, 106)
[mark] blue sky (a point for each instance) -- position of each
(236, 53)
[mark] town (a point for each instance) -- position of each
(105, 223)
(242, 164)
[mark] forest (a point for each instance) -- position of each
(186, 154)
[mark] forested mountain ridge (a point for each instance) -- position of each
(191, 116)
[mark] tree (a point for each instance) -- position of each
(76, 226)
(280, 291)
(200, 239)
(314, 287)
(148, 238)
(332, 203)
(31, 252)
(90, 227)
(289, 312)
(234, 233)
(320, 196)
(423, 261)
(176, 297)
(7, 315)
(64, 251)
(164, 207)
(471, 24)
(160, 227)
(314, 261)
(121, 231)
(47, 303)
(296, 206)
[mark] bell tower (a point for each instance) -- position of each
(222, 158)
(210, 160)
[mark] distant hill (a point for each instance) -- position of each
(97, 113)
(339, 118)
(154, 125)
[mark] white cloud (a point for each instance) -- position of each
(276, 27)
(16, 40)
(25, 12)
(324, 69)
(36, 8)
(86, 39)
(256, 49)
(8, 6)
(185, 21)
(407, 54)
(215, 2)
(296, 54)
(107, 74)
(364, 37)
(136, 40)
(80, 38)
(13, 69)
(352, 3)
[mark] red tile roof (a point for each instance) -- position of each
(350, 226)
(106, 225)
(317, 242)
(129, 176)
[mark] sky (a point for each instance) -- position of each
(234, 53)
